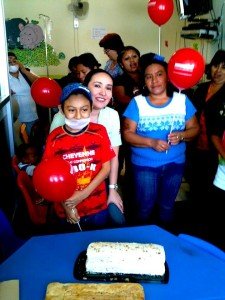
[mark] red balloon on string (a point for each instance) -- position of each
(46, 92)
(53, 179)
(185, 68)
(160, 11)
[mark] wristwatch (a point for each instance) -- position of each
(113, 186)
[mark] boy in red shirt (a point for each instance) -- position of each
(87, 148)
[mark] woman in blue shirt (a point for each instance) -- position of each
(158, 124)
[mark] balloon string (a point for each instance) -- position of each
(159, 39)
(171, 129)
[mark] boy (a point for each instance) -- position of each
(87, 148)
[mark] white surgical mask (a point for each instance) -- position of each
(13, 69)
(77, 124)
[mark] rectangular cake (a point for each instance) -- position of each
(125, 258)
(94, 291)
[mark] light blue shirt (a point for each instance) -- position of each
(157, 122)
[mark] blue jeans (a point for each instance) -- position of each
(156, 186)
(100, 220)
(96, 221)
(110, 217)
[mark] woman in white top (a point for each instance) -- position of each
(100, 83)
(19, 77)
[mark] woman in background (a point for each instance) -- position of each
(129, 84)
(72, 75)
(207, 98)
(85, 63)
(113, 45)
(216, 131)
(20, 80)
(126, 86)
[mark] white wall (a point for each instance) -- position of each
(129, 18)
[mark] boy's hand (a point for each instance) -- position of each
(72, 215)
(76, 198)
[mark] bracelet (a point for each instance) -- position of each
(113, 186)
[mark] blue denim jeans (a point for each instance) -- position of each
(96, 221)
(110, 217)
(156, 186)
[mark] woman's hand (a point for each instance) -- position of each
(21, 66)
(175, 138)
(115, 198)
(159, 145)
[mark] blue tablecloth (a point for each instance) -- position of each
(193, 273)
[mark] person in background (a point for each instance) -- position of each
(19, 77)
(208, 98)
(126, 86)
(157, 125)
(112, 44)
(216, 132)
(85, 63)
(28, 157)
(38, 135)
(89, 142)
(72, 75)
(129, 84)
(100, 84)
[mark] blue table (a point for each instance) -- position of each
(193, 273)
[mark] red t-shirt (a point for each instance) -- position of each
(86, 152)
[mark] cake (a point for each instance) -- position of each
(125, 258)
(94, 291)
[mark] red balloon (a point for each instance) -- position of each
(185, 68)
(53, 179)
(46, 92)
(160, 11)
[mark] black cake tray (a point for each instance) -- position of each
(80, 273)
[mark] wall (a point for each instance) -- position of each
(129, 18)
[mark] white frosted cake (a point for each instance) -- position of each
(126, 258)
